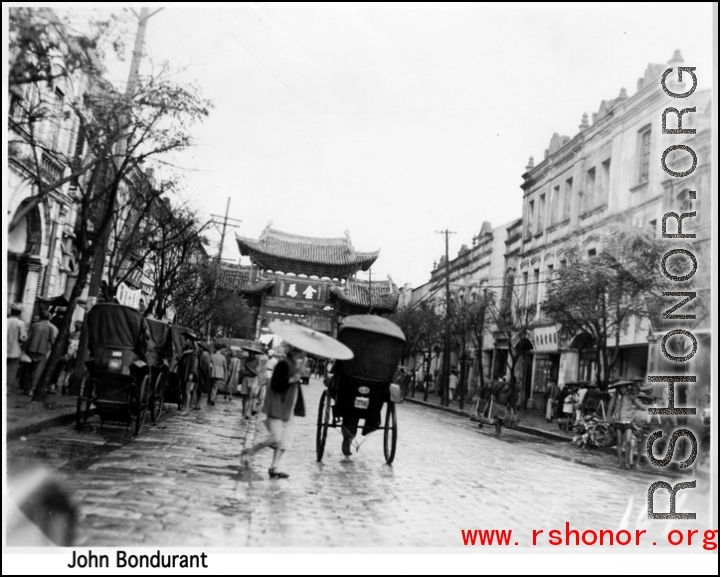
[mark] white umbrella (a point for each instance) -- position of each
(311, 341)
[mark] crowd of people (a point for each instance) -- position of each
(215, 369)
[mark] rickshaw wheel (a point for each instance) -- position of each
(84, 397)
(141, 404)
(323, 423)
(157, 400)
(390, 434)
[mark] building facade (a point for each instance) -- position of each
(609, 170)
(41, 253)
(474, 272)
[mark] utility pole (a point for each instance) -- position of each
(448, 316)
(224, 221)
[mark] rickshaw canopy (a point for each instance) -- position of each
(373, 324)
(176, 335)
(377, 344)
(117, 326)
(160, 338)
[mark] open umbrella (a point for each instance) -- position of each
(311, 341)
(253, 348)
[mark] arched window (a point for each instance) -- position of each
(683, 202)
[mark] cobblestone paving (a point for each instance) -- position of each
(181, 483)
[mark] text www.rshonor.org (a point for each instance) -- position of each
(577, 538)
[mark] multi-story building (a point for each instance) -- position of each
(610, 169)
(475, 270)
(41, 253)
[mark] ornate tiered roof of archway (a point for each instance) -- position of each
(238, 278)
(291, 253)
(359, 296)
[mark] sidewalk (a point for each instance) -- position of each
(530, 423)
(24, 417)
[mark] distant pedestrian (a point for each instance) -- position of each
(234, 374)
(16, 337)
(204, 373)
(218, 373)
(187, 372)
(621, 413)
(550, 393)
(40, 341)
(503, 401)
(69, 360)
(262, 381)
(283, 402)
(452, 385)
(251, 386)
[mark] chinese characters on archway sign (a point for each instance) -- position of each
(301, 290)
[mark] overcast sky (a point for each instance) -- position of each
(396, 121)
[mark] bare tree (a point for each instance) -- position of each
(513, 322)
(117, 135)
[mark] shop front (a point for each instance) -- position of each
(547, 365)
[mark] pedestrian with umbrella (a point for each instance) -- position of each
(284, 399)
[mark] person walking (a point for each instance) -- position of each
(40, 341)
(283, 402)
(262, 380)
(16, 337)
(452, 385)
(621, 413)
(550, 400)
(218, 373)
(70, 358)
(188, 368)
(251, 385)
(204, 373)
(234, 374)
(503, 401)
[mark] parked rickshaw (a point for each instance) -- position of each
(118, 380)
(159, 358)
(359, 387)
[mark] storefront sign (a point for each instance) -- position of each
(546, 340)
(128, 297)
(300, 290)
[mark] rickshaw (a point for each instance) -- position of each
(117, 380)
(359, 387)
(159, 358)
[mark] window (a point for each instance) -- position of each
(525, 291)
(605, 183)
(684, 202)
(555, 216)
(533, 289)
(589, 194)
(592, 252)
(550, 272)
(563, 263)
(529, 220)
(55, 119)
(541, 214)
(508, 291)
(644, 155)
(566, 200)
